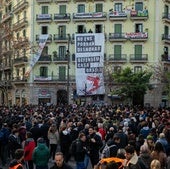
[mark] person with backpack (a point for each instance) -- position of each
(17, 162)
(111, 147)
(79, 151)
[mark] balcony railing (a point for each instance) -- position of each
(139, 15)
(60, 59)
(20, 24)
(117, 15)
(166, 38)
(56, 1)
(60, 38)
(137, 36)
(41, 18)
(20, 60)
(19, 79)
(166, 17)
(6, 17)
(94, 16)
(62, 17)
(20, 6)
(45, 58)
(48, 40)
(117, 37)
(118, 58)
(138, 58)
(44, 1)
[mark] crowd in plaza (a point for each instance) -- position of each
(31, 136)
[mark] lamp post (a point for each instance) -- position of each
(68, 69)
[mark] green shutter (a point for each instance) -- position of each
(118, 28)
(99, 7)
(62, 31)
(62, 9)
(44, 9)
(138, 51)
(117, 52)
(166, 30)
(81, 8)
(62, 73)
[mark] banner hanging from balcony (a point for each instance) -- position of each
(42, 41)
(89, 51)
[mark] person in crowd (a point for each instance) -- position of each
(41, 154)
(53, 137)
(155, 164)
(17, 162)
(158, 153)
(132, 161)
(4, 134)
(14, 142)
(29, 146)
(145, 130)
(162, 139)
(149, 143)
(59, 162)
(94, 143)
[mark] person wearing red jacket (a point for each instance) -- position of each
(28, 150)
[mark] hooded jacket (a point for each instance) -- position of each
(41, 155)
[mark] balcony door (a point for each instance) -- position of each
(62, 31)
(118, 30)
(139, 6)
(43, 71)
(44, 10)
(62, 73)
(138, 52)
(62, 9)
(62, 52)
(117, 52)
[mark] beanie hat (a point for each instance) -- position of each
(149, 137)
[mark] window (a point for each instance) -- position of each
(23, 70)
(62, 52)
(166, 30)
(99, 7)
(118, 28)
(62, 9)
(44, 71)
(44, 29)
(62, 31)
(118, 7)
(24, 33)
(44, 9)
(138, 51)
(166, 9)
(98, 28)
(139, 27)
(117, 51)
(45, 51)
(18, 35)
(81, 8)
(24, 52)
(81, 29)
(137, 69)
(139, 6)
(62, 73)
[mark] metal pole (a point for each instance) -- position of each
(68, 70)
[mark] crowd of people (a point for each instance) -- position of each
(34, 135)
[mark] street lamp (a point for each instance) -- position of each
(68, 68)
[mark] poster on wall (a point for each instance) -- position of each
(89, 52)
(42, 42)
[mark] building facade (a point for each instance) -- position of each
(136, 34)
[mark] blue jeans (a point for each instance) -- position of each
(86, 161)
(80, 165)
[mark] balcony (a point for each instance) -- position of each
(20, 60)
(60, 59)
(95, 16)
(62, 17)
(117, 37)
(58, 1)
(44, 18)
(166, 17)
(139, 15)
(63, 38)
(20, 24)
(6, 17)
(137, 36)
(117, 16)
(168, 1)
(138, 58)
(49, 40)
(19, 79)
(45, 59)
(20, 6)
(166, 38)
(117, 58)
(44, 1)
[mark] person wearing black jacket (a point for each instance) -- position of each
(59, 162)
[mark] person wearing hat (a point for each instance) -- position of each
(17, 162)
(41, 154)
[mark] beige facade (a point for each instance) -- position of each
(136, 35)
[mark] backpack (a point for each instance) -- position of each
(106, 151)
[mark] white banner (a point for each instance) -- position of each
(42, 41)
(89, 51)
